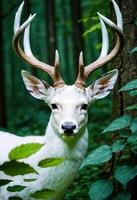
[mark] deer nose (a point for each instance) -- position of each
(68, 127)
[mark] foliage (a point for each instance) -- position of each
(100, 190)
(50, 162)
(116, 158)
(14, 168)
(43, 194)
(98, 156)
(24, 151)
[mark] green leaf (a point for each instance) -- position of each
(14, 168)
(16, 188)
(123, 196)
(133, 107)
(124, 174)
(29, 180)
(133, 50)
(133, 125)
(133, 93)
(129, 86)
(50, 162)
(4, 182)
(132, 139)
(43, 194)
(15, 198)
(24, 151)
(100, 190)
(100, 155)
(119, 123)
(92, 29)
(118, 145)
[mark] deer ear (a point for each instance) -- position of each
(102, 87)
(37, 88)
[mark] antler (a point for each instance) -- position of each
(27, 54)
(104, 57)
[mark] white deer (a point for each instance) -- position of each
(66, 135)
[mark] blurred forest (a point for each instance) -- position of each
(69, 26)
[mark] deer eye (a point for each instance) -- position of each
(84, 106)
(54, 106)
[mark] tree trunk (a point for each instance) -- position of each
(127, 65)
(3, 118)
(50, 30)
(77, 29)
(126, 62)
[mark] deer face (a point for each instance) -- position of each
(69, 110)
(69, 104)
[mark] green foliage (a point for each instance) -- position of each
(133, 93)
(15, 198)
(98, 156)
(118, 145)
(43, 194)
(123, 196)
(14, 168)
(4, 182)
(117, 157)
(100, 190)
(124, 174)
(119, 123)
(133, 125)
(129, 86)
(50, 162)
(24, 151)
(16, 188)
(29, 180)
(133, 50)
(133, 107)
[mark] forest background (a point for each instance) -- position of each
(69, 26)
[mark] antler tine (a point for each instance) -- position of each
(104, 58)
(27, 54)
(59, 82)
(80, 82)
(105, 40)
(80, 79)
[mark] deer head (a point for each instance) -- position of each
(69, 104)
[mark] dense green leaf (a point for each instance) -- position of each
(133, 50)
(124, 133)
(50, 162)
(16, 188)
(24, 151)
(118, 145)
(100, 190)
(119, 123)
(123, 196)
(133, 107)
(43, 194)
(4, 182)
(133, 125)
(129, 86)
(124, 174)
(14, 168)
(15, 198)
(132, 139)
(29, 180)
(133, 93)
(100, 155)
